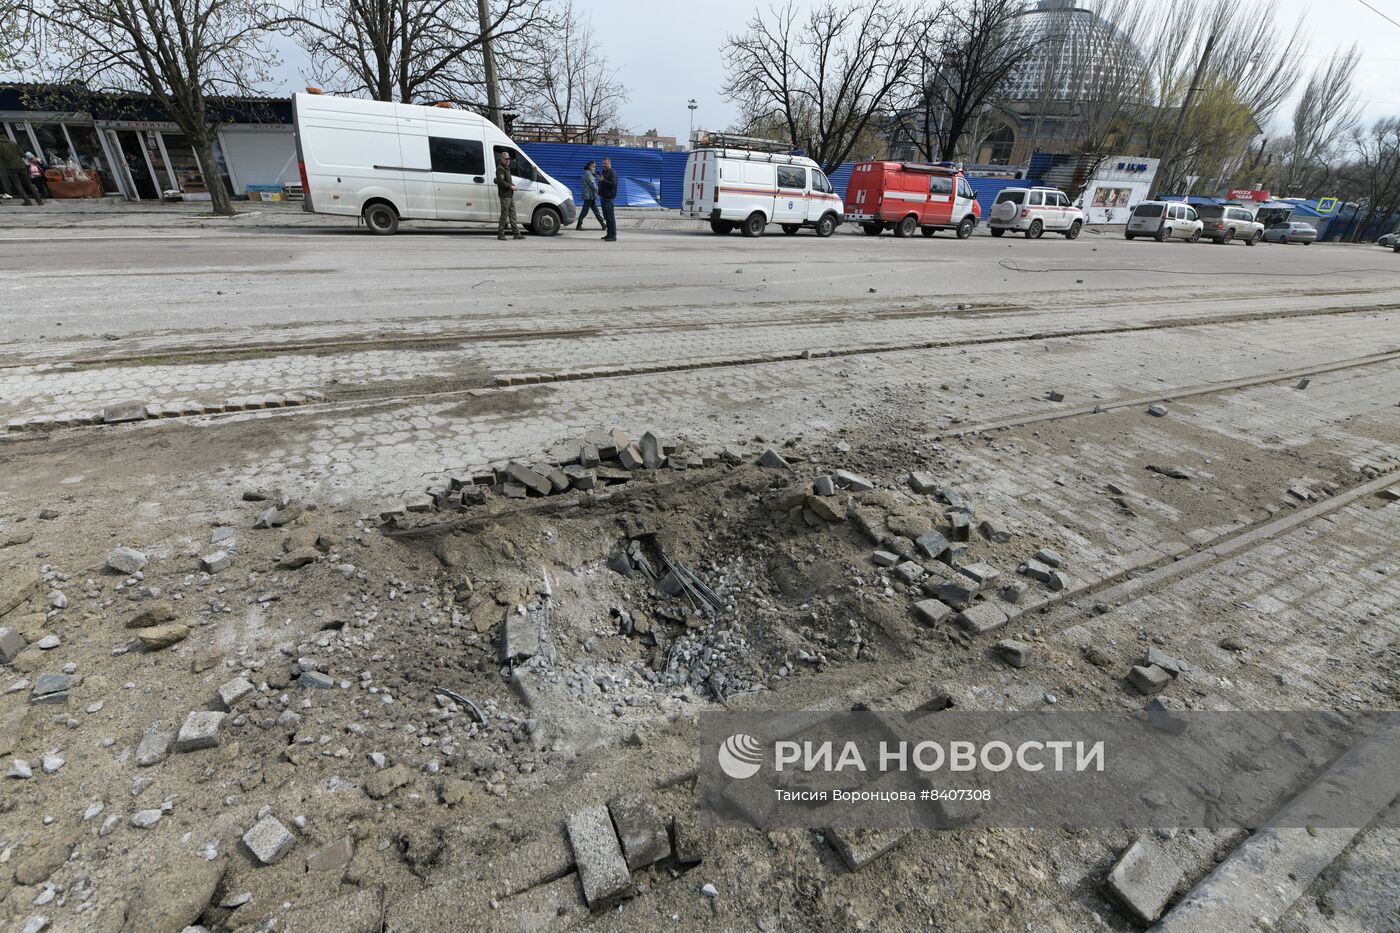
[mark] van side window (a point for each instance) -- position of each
(940, 184)
(792, 177)
(964, 189)
(520, 167)
(821, 183)
(457, 156)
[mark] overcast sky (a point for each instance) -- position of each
(669, 52)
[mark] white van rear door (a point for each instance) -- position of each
(416, 162)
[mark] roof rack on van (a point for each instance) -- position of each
(734, 141)
(933, 168)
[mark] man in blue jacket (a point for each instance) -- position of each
(607, 190)
(589, 184)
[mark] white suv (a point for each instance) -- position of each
(1033, 211)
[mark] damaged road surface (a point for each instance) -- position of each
(429, 649)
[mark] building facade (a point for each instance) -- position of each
(124, 146)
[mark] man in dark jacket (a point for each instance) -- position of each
(607, 190)
(14, 167)
(589, 184)
(505, 187)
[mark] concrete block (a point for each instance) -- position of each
(640, 830)
(1015, 653)
(269, 840)
(982, 618)
(853, 481)
(924, 483)
(1149, 680)
(11, 644)
(602, 869)
(931, 611)
(200, 730)
(1143, 879)
(688, 839)
(932, 544)
(520, 637)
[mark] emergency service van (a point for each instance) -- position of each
(910, 196)
(748, 190)
(386, 162)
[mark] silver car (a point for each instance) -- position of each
(1390, 240)
(1291, 232)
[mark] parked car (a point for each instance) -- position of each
(1389, 240)
(1033, 211)
(388, 162)
(1223, 223)
(1162, 220)
(748, 190)
(1291, 231)
(911, 196)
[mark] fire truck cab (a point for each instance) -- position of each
(910, 196)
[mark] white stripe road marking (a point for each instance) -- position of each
(119, 236)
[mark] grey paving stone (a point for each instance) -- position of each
(925, 483)
(1149, 680)
(982, 618)
(1015, 653)
(640, 830)
(932, 544)
(860, 847)
(931, 611)
(200, 730)
(688, 839)
(269, 840)
(1143, 879)
(233, 691)
(773, 460)
(520, 637)
(11, 644)
(154, 746)
(853, 481)
(602, 869)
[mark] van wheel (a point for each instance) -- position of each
(791, 229)
(906, 227)
(1035, 231)
(1073, 232)
(873, 229)
(753, 225)
(1001, 231)
(722, 227)
(1161, 235)
(1128, 236)
(966, 227)
(546, 222)
(826, 226)
(1195, 237)
(381, 219)
(928, 231)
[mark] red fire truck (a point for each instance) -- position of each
(910, 196)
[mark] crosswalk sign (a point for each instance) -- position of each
(1326, 205)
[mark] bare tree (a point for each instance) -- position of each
(1110, 90)
(961, 69)
(420, 50)
(1241, 62)
(180, 52)
(826, 76)
(577, 86)
(1325, 114)
(1375, 172)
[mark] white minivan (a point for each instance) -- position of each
(749, 190)
(388, 162)
(1163, 220)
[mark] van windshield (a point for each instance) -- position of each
(1148, 210)
(1013, 197)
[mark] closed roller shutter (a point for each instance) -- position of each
(261, 157)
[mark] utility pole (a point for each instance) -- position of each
(488, 58)
(1169, 153)
(690, 140)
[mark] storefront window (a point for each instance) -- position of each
(89, 156)
(151, 141)
(183, 163)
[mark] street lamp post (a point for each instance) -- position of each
(690, 140)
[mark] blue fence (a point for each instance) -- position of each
(652, 178)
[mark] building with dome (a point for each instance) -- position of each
(1075, 55)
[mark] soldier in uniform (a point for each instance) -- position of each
(505, 187)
